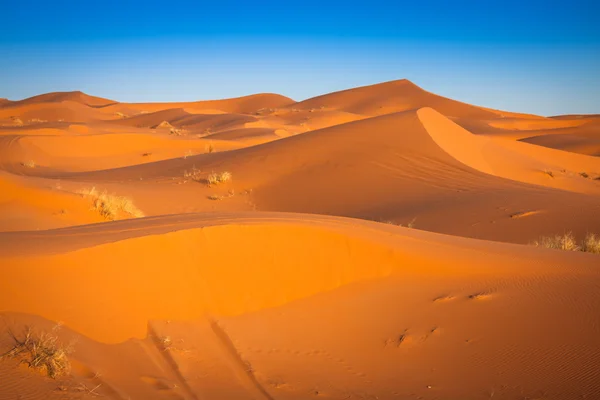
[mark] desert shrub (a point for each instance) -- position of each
(559, 242)
(193, 174)
(29, 164)
(42, 352)
(110, 206)
(216, 178)
(591, 243)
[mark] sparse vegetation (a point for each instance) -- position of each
(29, 164)
(549, 173)
(42, 352)
(111, 206)
(584, 174)
(146, 154)
(559, 242)
(410, 224)
(210, 148)
(187, 154)
(193, 174)
(591, 243)
(216, 178)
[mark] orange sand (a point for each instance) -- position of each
(292, 279)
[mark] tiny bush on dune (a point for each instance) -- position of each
(29, 164)
(110, 206)
(216, 178)
(591, 243)
(42, 352)
(559, 242)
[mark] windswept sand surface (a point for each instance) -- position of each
(373, 243)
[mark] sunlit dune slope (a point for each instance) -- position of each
(341, 309)
(390, 97)
(59, 97)
(399, 167)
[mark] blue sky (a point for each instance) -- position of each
(528, 56)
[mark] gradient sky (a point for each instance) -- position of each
(532, 56)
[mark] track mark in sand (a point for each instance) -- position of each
(241, 368)
(442, 299)
(158, 383)
(170, 361)
(397, 341)
(523, 214)
(480, 296)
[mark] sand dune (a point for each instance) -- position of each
(389, 97)
(395, 168)
(59, 97)
(265, 335)
(289, 277)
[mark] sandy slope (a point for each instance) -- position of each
(396, 167)
(248, 290)
(342, 310)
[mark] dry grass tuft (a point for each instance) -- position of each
(559, 242)
(549, 173)
(111, 206)
(591, 243)
(42, 352)
(584, 174)
(210, 148)
(29, 164)
(193, 174)
(411, 224)
(216, 178)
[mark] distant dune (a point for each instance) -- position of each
(373, 243)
